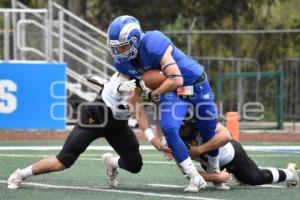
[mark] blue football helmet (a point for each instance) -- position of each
(124, 31)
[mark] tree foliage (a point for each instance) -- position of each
(268, 49)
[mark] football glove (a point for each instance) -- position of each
(127, 86)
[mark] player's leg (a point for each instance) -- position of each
(83, 134)
(247, 172)
(45, 165)
(125, 143)
(205, 115)
(172, 111)
(76, 143)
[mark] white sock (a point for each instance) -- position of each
(188, 167)
(26, 172)
(289, 174)
(213, 164)
(114, 162)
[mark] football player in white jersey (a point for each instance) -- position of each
(234, 158)
(107, 116)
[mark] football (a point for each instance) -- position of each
(153, 78)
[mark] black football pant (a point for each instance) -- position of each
(246, 171)
(117, 133)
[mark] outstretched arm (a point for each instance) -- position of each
(144, 124)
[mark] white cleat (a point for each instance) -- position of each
(196, 183)
(221, 186)
(14, 180)
(111, 172)
(294, 182)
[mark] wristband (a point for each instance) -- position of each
(149, 134)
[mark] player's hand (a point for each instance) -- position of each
(223, 177)
(168, 156)
(193, 151)
(149, 96)
(158, 144)
(127, 86)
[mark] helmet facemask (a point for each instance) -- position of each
(126, 55)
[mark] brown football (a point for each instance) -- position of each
(153, 78)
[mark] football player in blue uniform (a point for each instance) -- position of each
(135, 52)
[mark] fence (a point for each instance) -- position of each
(291, 71)
(266, 106)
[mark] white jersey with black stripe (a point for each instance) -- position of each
(114, 99)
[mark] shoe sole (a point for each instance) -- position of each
(12, 187)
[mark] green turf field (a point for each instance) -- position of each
(159, 179)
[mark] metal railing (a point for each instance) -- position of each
(85, 52)
(18, 34)
(57, 35)
(91, 45)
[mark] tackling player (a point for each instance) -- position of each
(135, 52)
(234, 158)
(105, 117)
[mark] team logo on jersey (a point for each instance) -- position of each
(91, 120)
(132, 71)
(141, 71)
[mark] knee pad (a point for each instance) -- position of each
(134, 163)
(66, 160)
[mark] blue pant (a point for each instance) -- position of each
(173, 110)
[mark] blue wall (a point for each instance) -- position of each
(32, 96)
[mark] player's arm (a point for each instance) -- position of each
(139, 110)
(171, 71)
(144, 124)
(221, 137)
(222, 177)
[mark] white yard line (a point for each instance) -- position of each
(93, 159)
(272, 186)
(94, 156)
(80, 158)
(133, 192)
(180, 186)
(144, 161)
(165, 185)
(274, 155)
(143, 147)
(99, 158)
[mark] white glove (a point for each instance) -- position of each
(127, 86)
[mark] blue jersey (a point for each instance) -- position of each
(153, 46)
